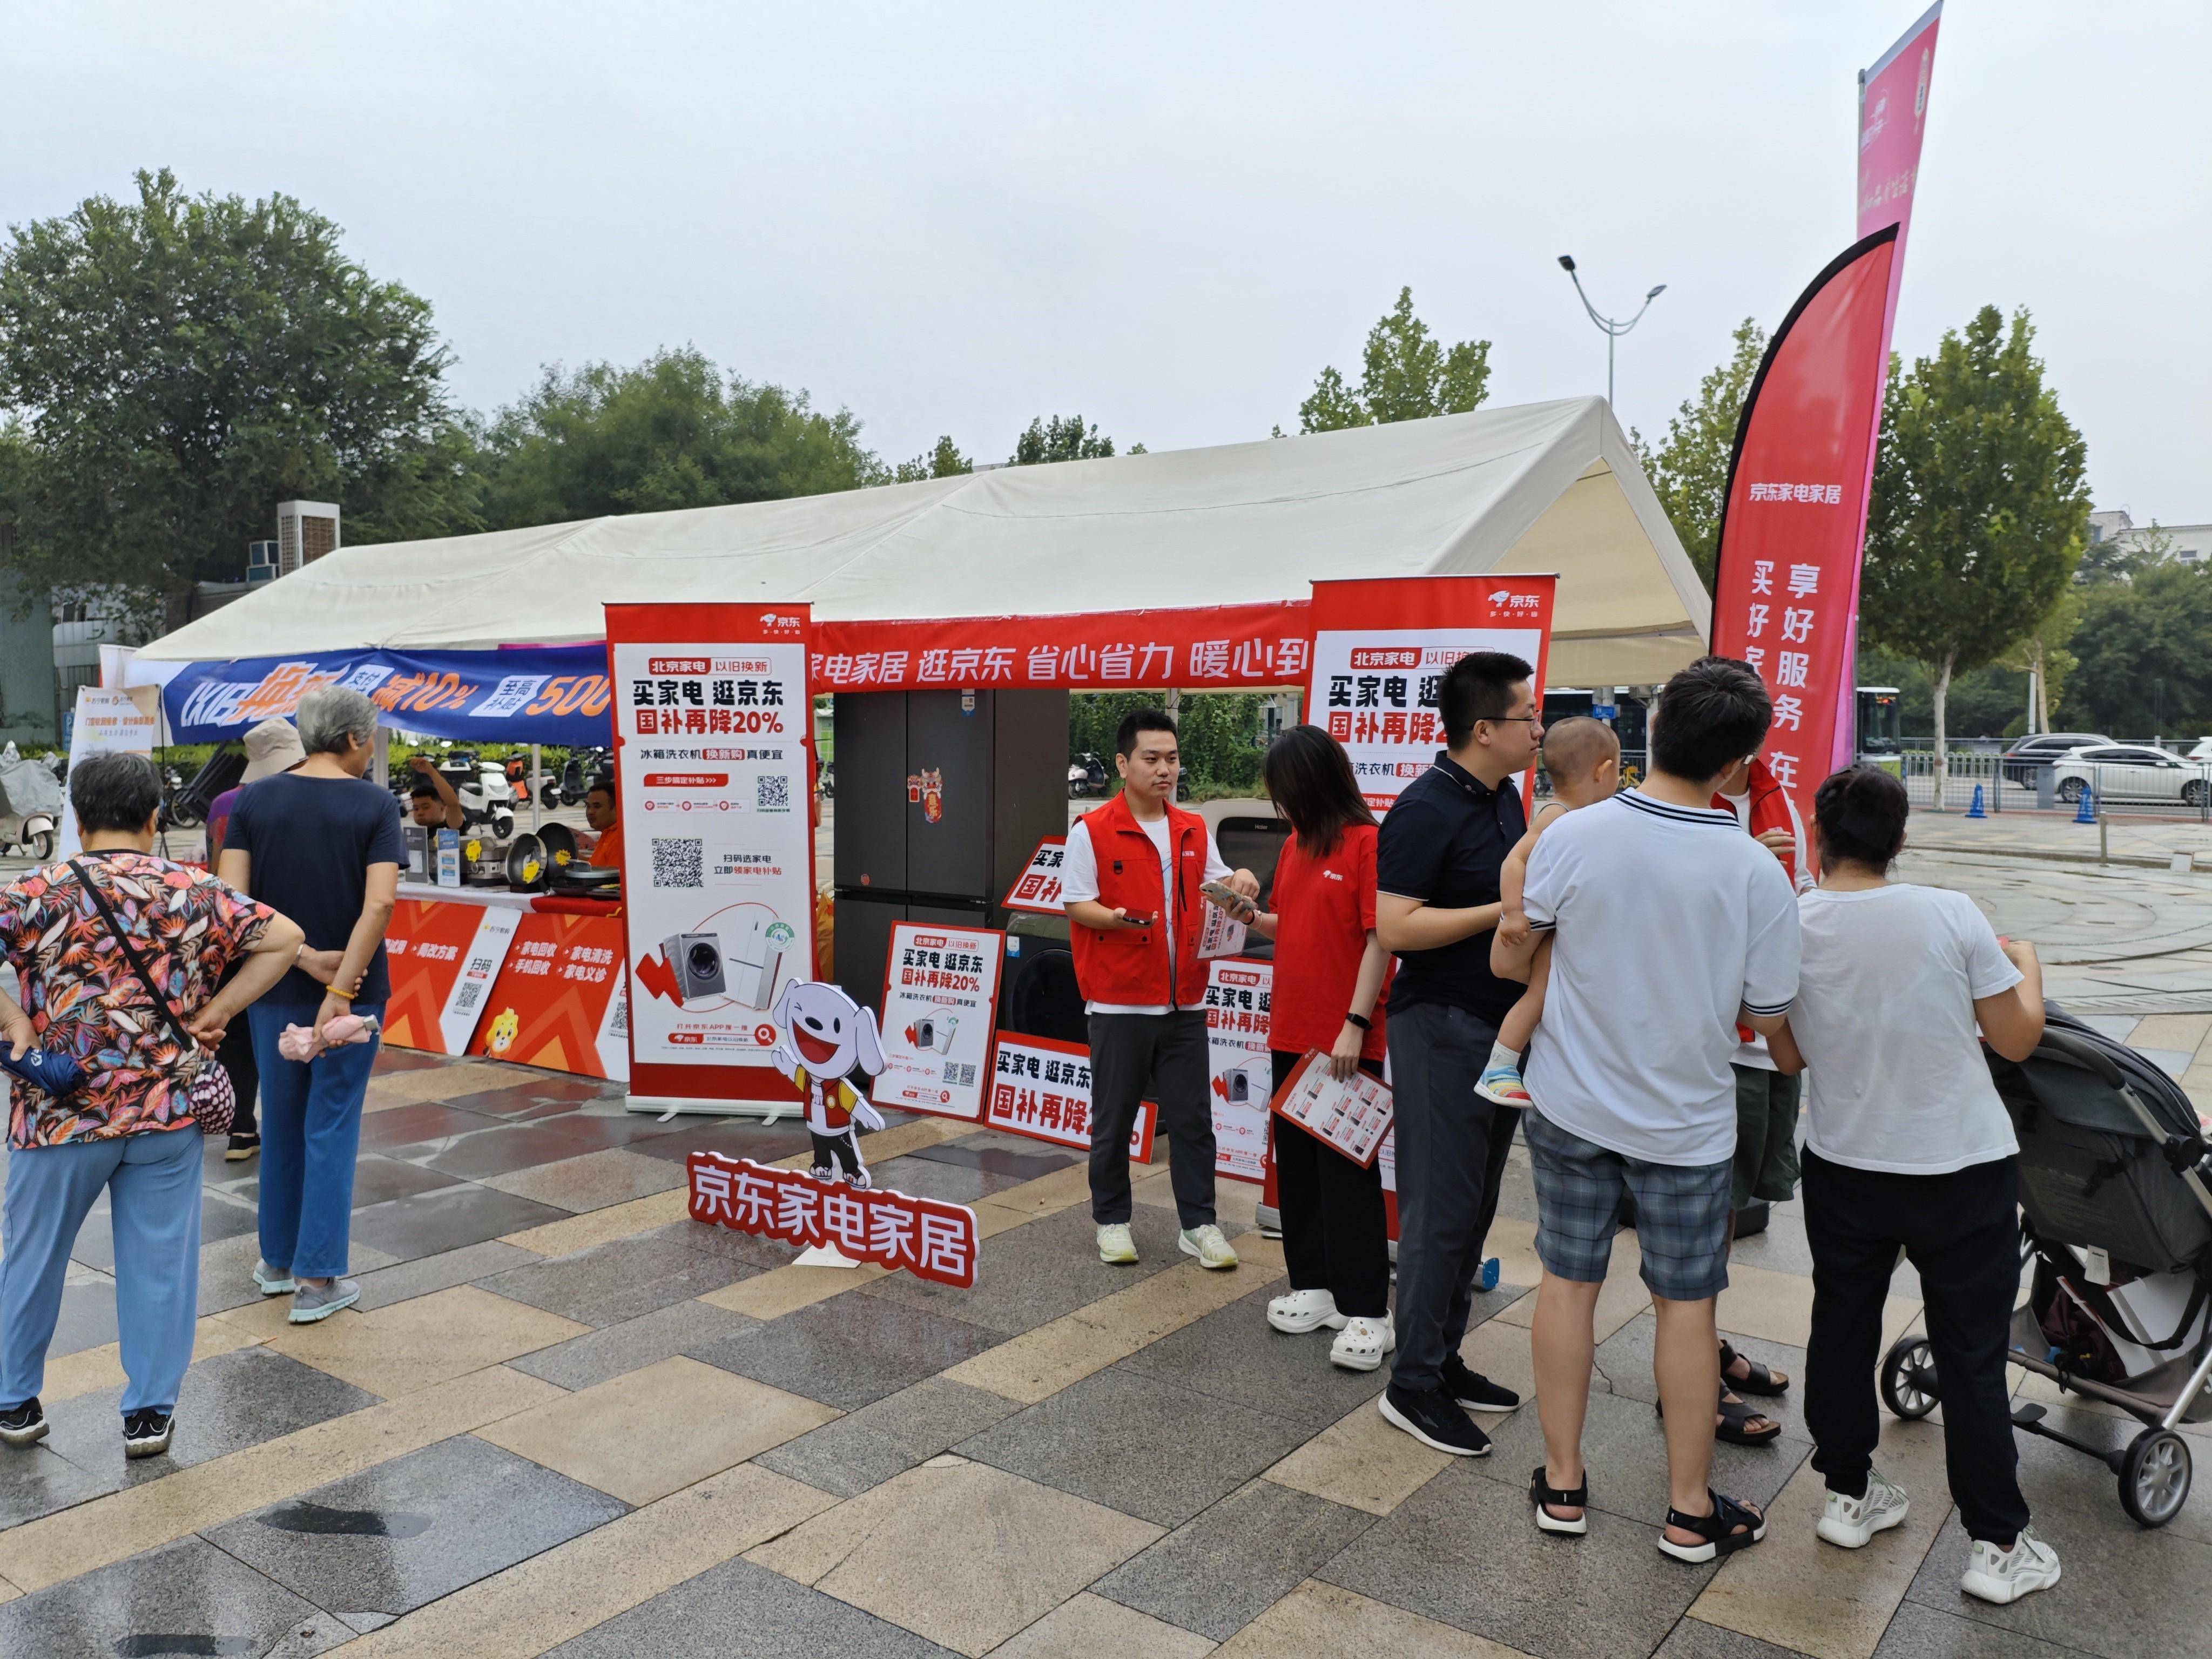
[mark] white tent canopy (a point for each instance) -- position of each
(1539, 488)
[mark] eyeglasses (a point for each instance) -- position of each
(1501, 720)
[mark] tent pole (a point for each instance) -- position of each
(536, 786)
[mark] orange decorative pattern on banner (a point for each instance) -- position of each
(426, 945)
(549, 1003)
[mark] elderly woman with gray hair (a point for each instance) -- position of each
(322, 846)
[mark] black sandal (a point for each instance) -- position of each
(1718, 1530)
(1761, 1380)
(1541, 1493)
(1735, 1413)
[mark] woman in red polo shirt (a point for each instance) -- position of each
(1330, 975)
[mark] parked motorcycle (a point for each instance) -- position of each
(1086, 776)
(31, 806)
(486, 798)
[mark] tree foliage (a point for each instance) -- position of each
(1216, 731)
(1406, 374)
(944, 461)
(1062, 438)
(1689, 470)
(2141, 649)
(1979, 512)
(675, 431)
(179, 364)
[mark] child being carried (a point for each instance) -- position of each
(1583, 759)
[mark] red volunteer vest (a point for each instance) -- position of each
(1131, 966)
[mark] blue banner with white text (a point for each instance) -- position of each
(554, 694)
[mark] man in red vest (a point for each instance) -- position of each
(1130, 877)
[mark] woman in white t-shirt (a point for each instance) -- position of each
(1907, 1146)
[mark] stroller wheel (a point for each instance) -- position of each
(2155, 1477)
(1908, 1378)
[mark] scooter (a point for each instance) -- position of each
(29, 806)
(485, 795)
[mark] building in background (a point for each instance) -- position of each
(2187, 544)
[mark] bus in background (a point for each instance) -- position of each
(1881, 726)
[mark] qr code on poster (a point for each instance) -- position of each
(771, 793)
(679, 861)
(472, 994)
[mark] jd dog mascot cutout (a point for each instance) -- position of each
(827, 1045)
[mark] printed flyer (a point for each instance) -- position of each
(1353, 1116)
(1240, 1076)
(940, 1002)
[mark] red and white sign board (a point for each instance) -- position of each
(1239, 1074)
(1380, 647)
(1229, 647)
(713, 753)
(925, 1236)
(1037, 888)
(1040, 1087)
(940, 1002)
(559, 1001)
(443, 959)
(1353, 1116)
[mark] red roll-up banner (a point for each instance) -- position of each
(1794, 513)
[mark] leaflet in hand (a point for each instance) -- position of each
(1352, 1116)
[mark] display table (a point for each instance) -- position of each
(528, 977)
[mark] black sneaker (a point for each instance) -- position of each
(24, 1424)
(241, 1148)
(146, 1432)
(1431, 1417)
(1475, 1391)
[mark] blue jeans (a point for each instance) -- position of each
(154, 1179)
(310, 1132)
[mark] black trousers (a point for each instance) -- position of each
(1961, 1232)
(236, 1052)
(831, 1151)
(1451, 1149)
(1336, 1235)
(1167, 1052)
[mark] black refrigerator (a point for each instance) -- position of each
(941, 796)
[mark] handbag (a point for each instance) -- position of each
(212, 1100)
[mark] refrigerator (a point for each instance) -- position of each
(941, 796)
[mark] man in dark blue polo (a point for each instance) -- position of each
(1436, 867)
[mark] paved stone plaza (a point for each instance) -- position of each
(567, 1419)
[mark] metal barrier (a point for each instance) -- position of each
(2174, 791)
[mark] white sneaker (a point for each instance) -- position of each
(1850, 1521)
(1364, 1344)
(1209, 1245)
(1304, 1311)
(2003, 1576)
(1116, 1248)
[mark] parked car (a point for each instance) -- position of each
(2203, 751)
(2029, 755)
(2133, 772)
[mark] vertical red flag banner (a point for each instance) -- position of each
(1381, 645)
(1893, 117)
(1794, 515)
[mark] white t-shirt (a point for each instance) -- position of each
(1079, 880)
(1895, 1077)
(1754, 1053)
(1667, 919)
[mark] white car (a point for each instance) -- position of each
(2203, 751)
(2120, 771)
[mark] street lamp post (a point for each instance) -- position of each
(1613, 327)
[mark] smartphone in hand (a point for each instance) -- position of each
(1229, 899)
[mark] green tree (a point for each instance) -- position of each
(1979, 512)
(1062, 438)
(179, 364)
(675, 431)
(2140, 645)
(1217, 733)
(1689, 470)
(1406, 374)
(944, 461)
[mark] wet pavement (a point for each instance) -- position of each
(567, 1419)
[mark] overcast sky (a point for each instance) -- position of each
(950, 218)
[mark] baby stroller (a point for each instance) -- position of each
(2116, 1196)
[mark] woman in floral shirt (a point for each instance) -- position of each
(127, 1125)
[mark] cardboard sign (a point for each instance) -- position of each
(940, 1002)
(925, 1236)
(559, 1001)
(1352, 1116)
(1040, 1087)
(1037, 888)
(1239, 1074)
(713, 755)
(444, 957)
(1381, 647)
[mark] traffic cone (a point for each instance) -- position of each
(1975, 811)
(2086, 812)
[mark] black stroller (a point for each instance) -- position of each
(2116, 1195)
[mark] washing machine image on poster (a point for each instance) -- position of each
(718, 876)
(1240, 1076)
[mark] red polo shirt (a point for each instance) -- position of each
(1324, 907)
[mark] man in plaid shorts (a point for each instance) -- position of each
(1670, 925)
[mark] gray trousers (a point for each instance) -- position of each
(1168, 1052)
(1451, 1148)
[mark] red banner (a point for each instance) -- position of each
(925, 1236)
(1796, 510)
(443, 954)
(558, 1002)
(1040, 1087)
(1215, 648)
